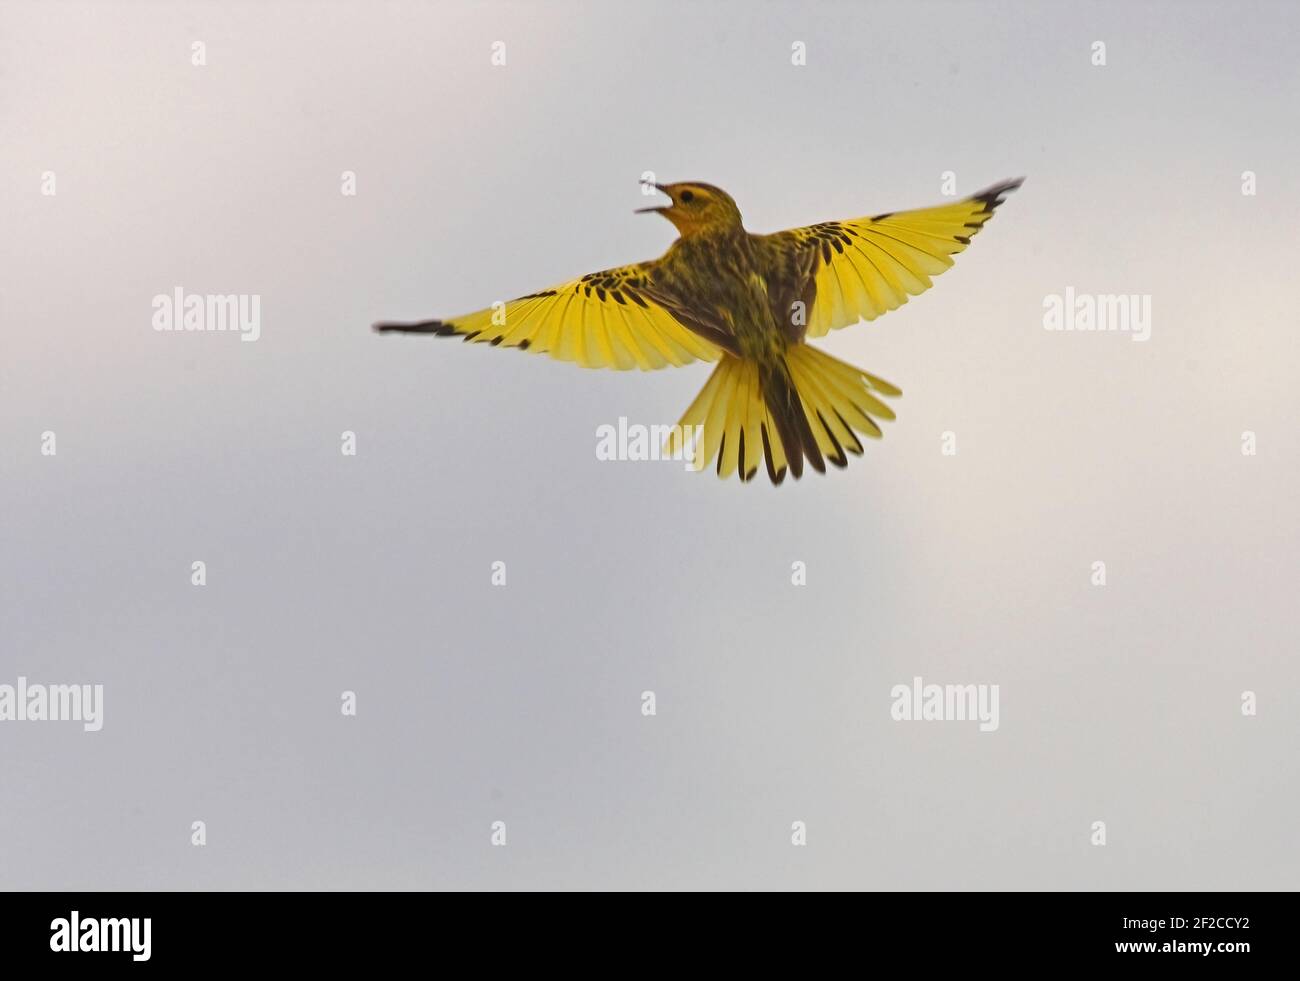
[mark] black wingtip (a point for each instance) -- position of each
(439, 327)
(991, 197)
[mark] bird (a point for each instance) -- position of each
(750, 303)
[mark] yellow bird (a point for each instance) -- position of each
(749, 302)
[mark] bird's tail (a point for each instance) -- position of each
(805, 405)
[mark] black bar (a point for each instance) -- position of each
(369, 930)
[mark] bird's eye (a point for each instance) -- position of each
(688, 197)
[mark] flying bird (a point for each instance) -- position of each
(750, 303)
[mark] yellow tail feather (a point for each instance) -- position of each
(839, 401)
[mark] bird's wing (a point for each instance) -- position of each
(605, 319)
(865, 267)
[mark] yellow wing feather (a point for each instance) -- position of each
(868, 266)
(603, 320)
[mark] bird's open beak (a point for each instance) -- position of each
(657, 187)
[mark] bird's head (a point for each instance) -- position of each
(698, 208)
